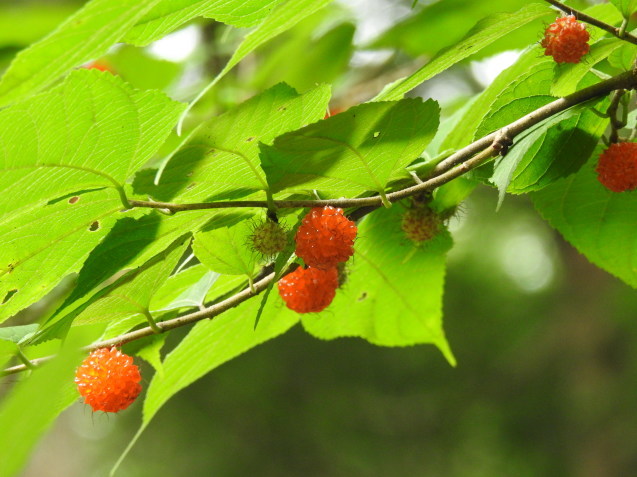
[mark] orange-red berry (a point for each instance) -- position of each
(108, 380)
(566, 40)
(325, 238)
(617, 167)
(420, 224)
(308, 290)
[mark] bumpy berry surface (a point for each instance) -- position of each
(308, 290)
(420, 224)
(566, 40)
(325, 238)
(617, 167)
(269, 238)
(108, 380)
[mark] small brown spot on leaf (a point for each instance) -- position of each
(94, 226)
(250, 139)
(363, 296)
(9, 295)
(73, 200)
(282, 108)
(190, 186)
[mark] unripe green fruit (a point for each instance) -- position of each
(420, 224)
(269, 238)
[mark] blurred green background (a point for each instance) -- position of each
(546, 382)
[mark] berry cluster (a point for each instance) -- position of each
(324, 240)
(108, 380)
(566, 40)
(309, 290)
(617, 167)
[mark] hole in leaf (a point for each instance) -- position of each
(376, 134)
(73, 200)
(94, 226)
(9, 295)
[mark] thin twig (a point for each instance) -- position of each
(583, 17)
(443, 171)
(208, 312)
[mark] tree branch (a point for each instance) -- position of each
(443, 173)
(459, 163)
(583, 17)
(208, 312)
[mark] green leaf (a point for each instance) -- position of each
(41, 245)
(34, 403)
(15, 334)
(393, 292)
(131, 294)
(281, 19)
(92, 131)
(568, 76)
(227, 250)
(594, 220)
(184, 290)
(623, 57)
(211, 343)
(35, 20)
(442, 24)
(467, 127)
(142, 70)
(221, 160)
(554, 149)
(149, 349)
(167, 15)
(525, 94)
(87, 34)
(626, 7)
(485, 32)
(356, 151)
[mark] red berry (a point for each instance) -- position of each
(100, 65)
(269, 238)
(108, 380)
(325, 238)
(566, 40)
(617, 167)
(308, 290)
(420, 224)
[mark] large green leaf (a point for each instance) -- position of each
(441, 24)
(131, 294)
(484, 33)
(221, 160)
(87, 34)
(568, 76)
(130, 244)
(529, 91)
(626, 7)
(35, 20)
(92, 131)
(186, 289)
(33, 404)
(91, 31)
(167, 15)
(556, 148)
(281, 19)
(227, 250)
(356, 151)
(598, 222)
(43, 244)
(393, 292)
